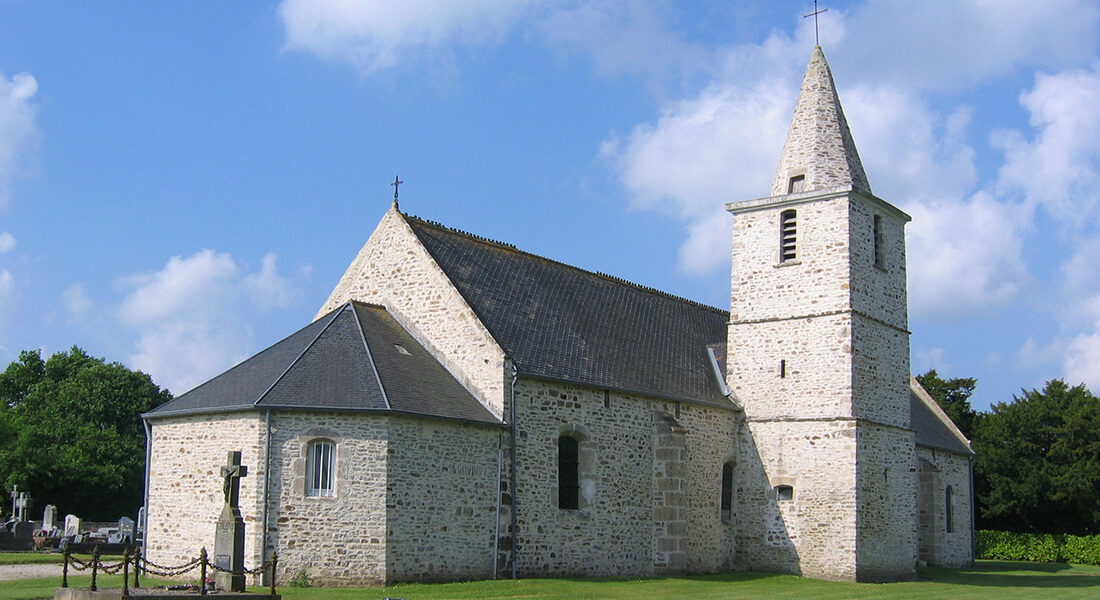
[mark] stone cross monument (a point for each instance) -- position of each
(229, 534)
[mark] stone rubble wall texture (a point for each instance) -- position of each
(339, 539)
(650, 500)
(185, 484)
(441, 501)
(814, 534)
(945, 549)
(394, 269)
(887, 503)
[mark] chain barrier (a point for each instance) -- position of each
(140, 565)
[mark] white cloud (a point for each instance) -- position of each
(77, 302)
(192, 316)
(932, 358)
(1059, 168)
(8, 295)
(965, 257)
(376, 34)
(7, 242)
(941, 44)
(18, 134)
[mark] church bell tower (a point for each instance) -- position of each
(819, 357)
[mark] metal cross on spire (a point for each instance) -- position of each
(396, 182)
(817, 36)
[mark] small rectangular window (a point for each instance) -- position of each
(796, 184)
(880, 243)
(784, 493)
(788, 233)
(319, 469)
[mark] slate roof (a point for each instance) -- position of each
(356, 358)
(930, 431)
(559, 322)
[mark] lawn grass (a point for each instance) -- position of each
(988, 579)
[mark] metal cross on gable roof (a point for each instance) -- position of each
(817, 36)
(396, 182)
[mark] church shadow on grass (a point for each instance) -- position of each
(1009, 574)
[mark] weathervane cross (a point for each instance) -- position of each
(817, 36)
(396, 182)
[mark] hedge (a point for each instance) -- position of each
(1038, 547)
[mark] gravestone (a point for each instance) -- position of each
(14, 502)
(229, 533)
(23, 503)
(126, 528)
(24, 532)
(49, 516)
(72, 525)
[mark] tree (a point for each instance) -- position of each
(71, 432)
(1038, 463)
(953, 396)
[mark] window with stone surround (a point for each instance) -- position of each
(569, 476)
(726, 503)
(788, 234)
(784, 493)
(320, 468)
(949, 505)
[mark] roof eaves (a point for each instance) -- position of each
(379, 411)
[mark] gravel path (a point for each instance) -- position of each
(9, 572)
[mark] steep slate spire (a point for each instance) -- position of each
(819, 146)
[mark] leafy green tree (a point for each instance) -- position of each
(953, 396)
(71, 432)
(1038, 463)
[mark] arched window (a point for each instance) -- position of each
(726, 505)
(788, 234)
(320, 468)
(949, 505)
(569, 476)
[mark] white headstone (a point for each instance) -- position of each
(49, 515)
(72, 525)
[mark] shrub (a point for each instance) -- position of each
(1038, 547)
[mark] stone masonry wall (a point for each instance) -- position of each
(442, 503)
(617, 528)
(395, 270)
(815, 283)
(955, 548)
(887, 498)
(185, 484)
(813, 533)
(337, 540)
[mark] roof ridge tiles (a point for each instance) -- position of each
(599, 274)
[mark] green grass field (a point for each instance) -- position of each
(989, 579)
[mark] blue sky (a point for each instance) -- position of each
(182, 184)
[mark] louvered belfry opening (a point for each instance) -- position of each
(788, 233)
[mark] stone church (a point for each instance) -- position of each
(461, 409)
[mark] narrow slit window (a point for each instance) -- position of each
(880, 243)
(726, 505)
(788, 234)
(568, 473)
(949, 501)
(321, 456)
